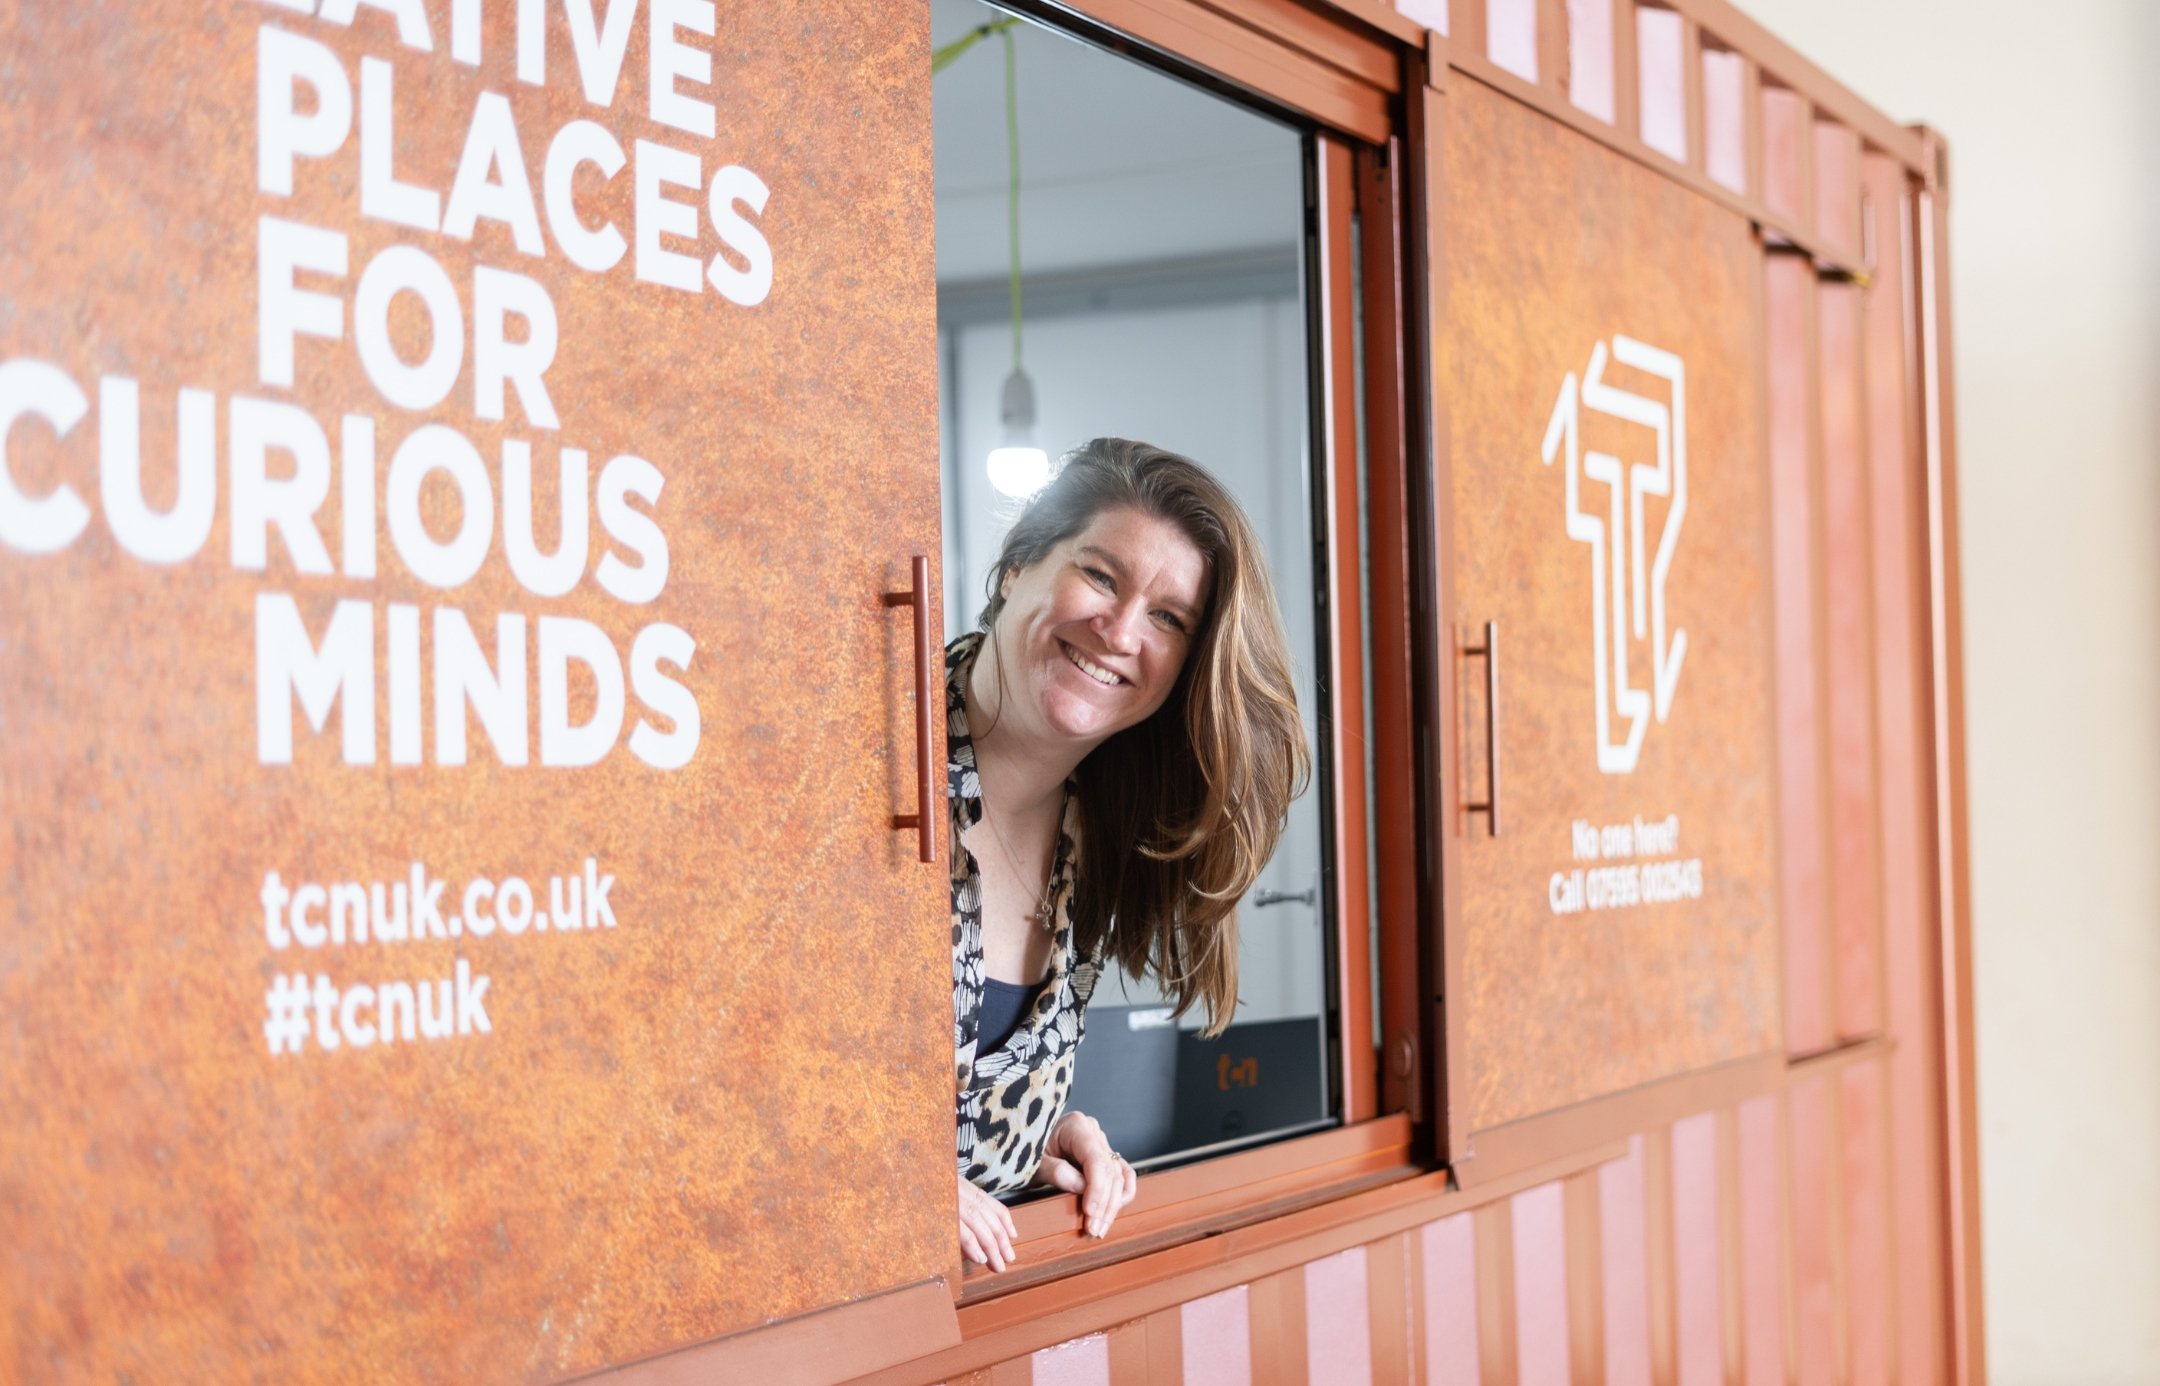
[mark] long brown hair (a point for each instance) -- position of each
(1178, 813)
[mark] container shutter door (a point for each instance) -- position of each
(455, 927)
(1608, 815)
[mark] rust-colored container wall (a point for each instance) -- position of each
(1612, 516)
(444, 823)
(305, 741)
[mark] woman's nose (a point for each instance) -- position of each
(1119, 627)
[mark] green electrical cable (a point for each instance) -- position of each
(1012, 187)
(945, 57)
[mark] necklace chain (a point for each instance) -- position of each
(1043, 907)
(1043, 910)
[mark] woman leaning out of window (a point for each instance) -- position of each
(1125, 744)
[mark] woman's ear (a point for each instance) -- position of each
(1005, 583)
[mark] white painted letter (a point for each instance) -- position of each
(600, 54)
(545, 575)
(491, 146)
(623, 477)
(672, 59)
(180, 532)
(657, 216)
(433, 446)
(290, 503)
(401, 269)
(465, 32)
(664, 695)
(498, 695)
(381, 194)
(532, 42)
(562, 639)
(581, 142)
(358, 1033)
(283, 311)
(310, 932)
(738, 233)
(341, 671)
(281, 61)
(50, 523)
(496, 359)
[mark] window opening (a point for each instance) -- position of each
(1166, 289)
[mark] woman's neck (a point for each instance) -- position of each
(1022, 775)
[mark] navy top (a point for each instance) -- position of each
(1004, 1006)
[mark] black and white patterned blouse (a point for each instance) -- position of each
(1005, 1103)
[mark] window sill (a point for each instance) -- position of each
(1199, 1200)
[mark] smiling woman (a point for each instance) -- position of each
(1125, 743)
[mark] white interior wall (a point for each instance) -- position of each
(1119, 162)
(1122, 166)
(2050, 114)
(1224, 384)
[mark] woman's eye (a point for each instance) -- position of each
(1170, 621)
(1098, 577)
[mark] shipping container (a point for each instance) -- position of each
(482, 490)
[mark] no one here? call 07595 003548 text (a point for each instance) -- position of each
(1627, 881)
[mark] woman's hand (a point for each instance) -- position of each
(986, 1228)
(1079, 1160)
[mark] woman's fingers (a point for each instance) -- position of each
(1063, 1174)
(1113, 1186)
(1105, 1184)
(997, 1251)
(1090, 1168)
(1001, 1228)
(987, 1233)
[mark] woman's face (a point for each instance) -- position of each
(1094, 634)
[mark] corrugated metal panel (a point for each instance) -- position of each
(1779, 1208)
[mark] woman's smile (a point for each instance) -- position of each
(1097, 672)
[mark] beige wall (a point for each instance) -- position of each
(2050, 112)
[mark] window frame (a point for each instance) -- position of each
(1340, 74)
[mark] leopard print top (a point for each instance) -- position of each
(1005, 1103)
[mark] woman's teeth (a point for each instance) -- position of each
(1091, 669)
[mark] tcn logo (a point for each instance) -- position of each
(1636, 608)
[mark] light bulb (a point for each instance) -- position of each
(1019, 472)
(1019, 469)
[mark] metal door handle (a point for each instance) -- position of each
(924, 818)
(1490, 652)
(1263, 898)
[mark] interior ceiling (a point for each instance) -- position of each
(1119, 164)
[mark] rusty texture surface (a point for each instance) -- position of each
(733, 1104)
(1553, 246)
